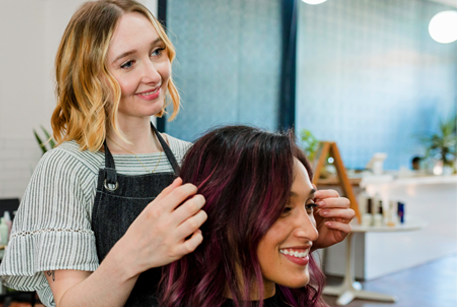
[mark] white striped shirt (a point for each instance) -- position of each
(52, 227)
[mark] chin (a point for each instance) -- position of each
(295, 283)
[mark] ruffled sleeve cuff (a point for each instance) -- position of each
(30, 253)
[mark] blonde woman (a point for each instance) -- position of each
(104, 211)
(113, 71)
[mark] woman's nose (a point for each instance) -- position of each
(306, 227)
(151, 73)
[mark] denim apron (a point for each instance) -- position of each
(119, 200)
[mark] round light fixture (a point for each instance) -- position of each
(443, 27)
(313, 1)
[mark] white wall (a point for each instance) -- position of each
(22, 90)
(30, 32)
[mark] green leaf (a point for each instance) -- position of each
(40, 143)
(49, 137)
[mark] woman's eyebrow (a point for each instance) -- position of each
(127, 53)
(123, 55)
(156, 41)
(311, 193)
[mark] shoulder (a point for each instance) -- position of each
(64, 173)
(177, 146)
(67, 156)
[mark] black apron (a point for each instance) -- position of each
(118, 202)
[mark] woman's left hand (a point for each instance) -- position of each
(332, 218)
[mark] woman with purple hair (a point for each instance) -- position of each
(259, 234)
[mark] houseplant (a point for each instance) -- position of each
(442, 144)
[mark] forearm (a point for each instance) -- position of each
(109, 285)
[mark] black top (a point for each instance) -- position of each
(273, 301)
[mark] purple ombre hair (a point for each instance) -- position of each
(246, 175)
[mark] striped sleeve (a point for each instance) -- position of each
(52, 228)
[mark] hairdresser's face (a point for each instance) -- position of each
(138, 61)
(283, 251)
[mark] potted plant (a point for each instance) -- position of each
(310, 144)
(442, 145)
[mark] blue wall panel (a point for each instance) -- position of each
(370, 77)
(228, 63)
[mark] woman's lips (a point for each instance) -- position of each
(149, 95)
(300, 261)
(297, 256)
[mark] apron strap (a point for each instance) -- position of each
(110, 168)
(166, 148)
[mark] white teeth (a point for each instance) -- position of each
(294, 253)
(150, 93)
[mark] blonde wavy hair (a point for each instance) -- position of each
(87, 94)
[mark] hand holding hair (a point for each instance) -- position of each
(158, 235)
(332, 218)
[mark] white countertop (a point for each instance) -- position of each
(396, 180)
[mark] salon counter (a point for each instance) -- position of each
(430, 199)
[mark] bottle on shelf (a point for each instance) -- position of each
(4, 232)
(367, 217)
(401, 212)
(378, 218)
(391, 214)
(8, 222)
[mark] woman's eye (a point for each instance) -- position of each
(310, 207)
(157, 52)
(127, 65)
(286, 210)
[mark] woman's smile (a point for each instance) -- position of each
(149, 94)
(298, 255)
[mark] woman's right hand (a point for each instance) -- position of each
(160, 234)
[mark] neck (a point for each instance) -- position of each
(269, 290)
(139, 138)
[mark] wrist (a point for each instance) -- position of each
(123, 259)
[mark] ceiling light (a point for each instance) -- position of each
(313, 1)
(443, 27)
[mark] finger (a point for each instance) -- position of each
(190, 225)
(191, 244)
(188, 209)
(176, 183)
(346, 214)
(343, 227)
(157, 203)
(178, 196)
(321, 194)
(334, 202)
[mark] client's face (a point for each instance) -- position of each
(283, 251)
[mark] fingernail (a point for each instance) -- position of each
(328, 224)
(320, 203)
(325, 212)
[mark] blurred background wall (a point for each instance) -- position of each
(30, 33)
(228, 63)
(370, 77)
